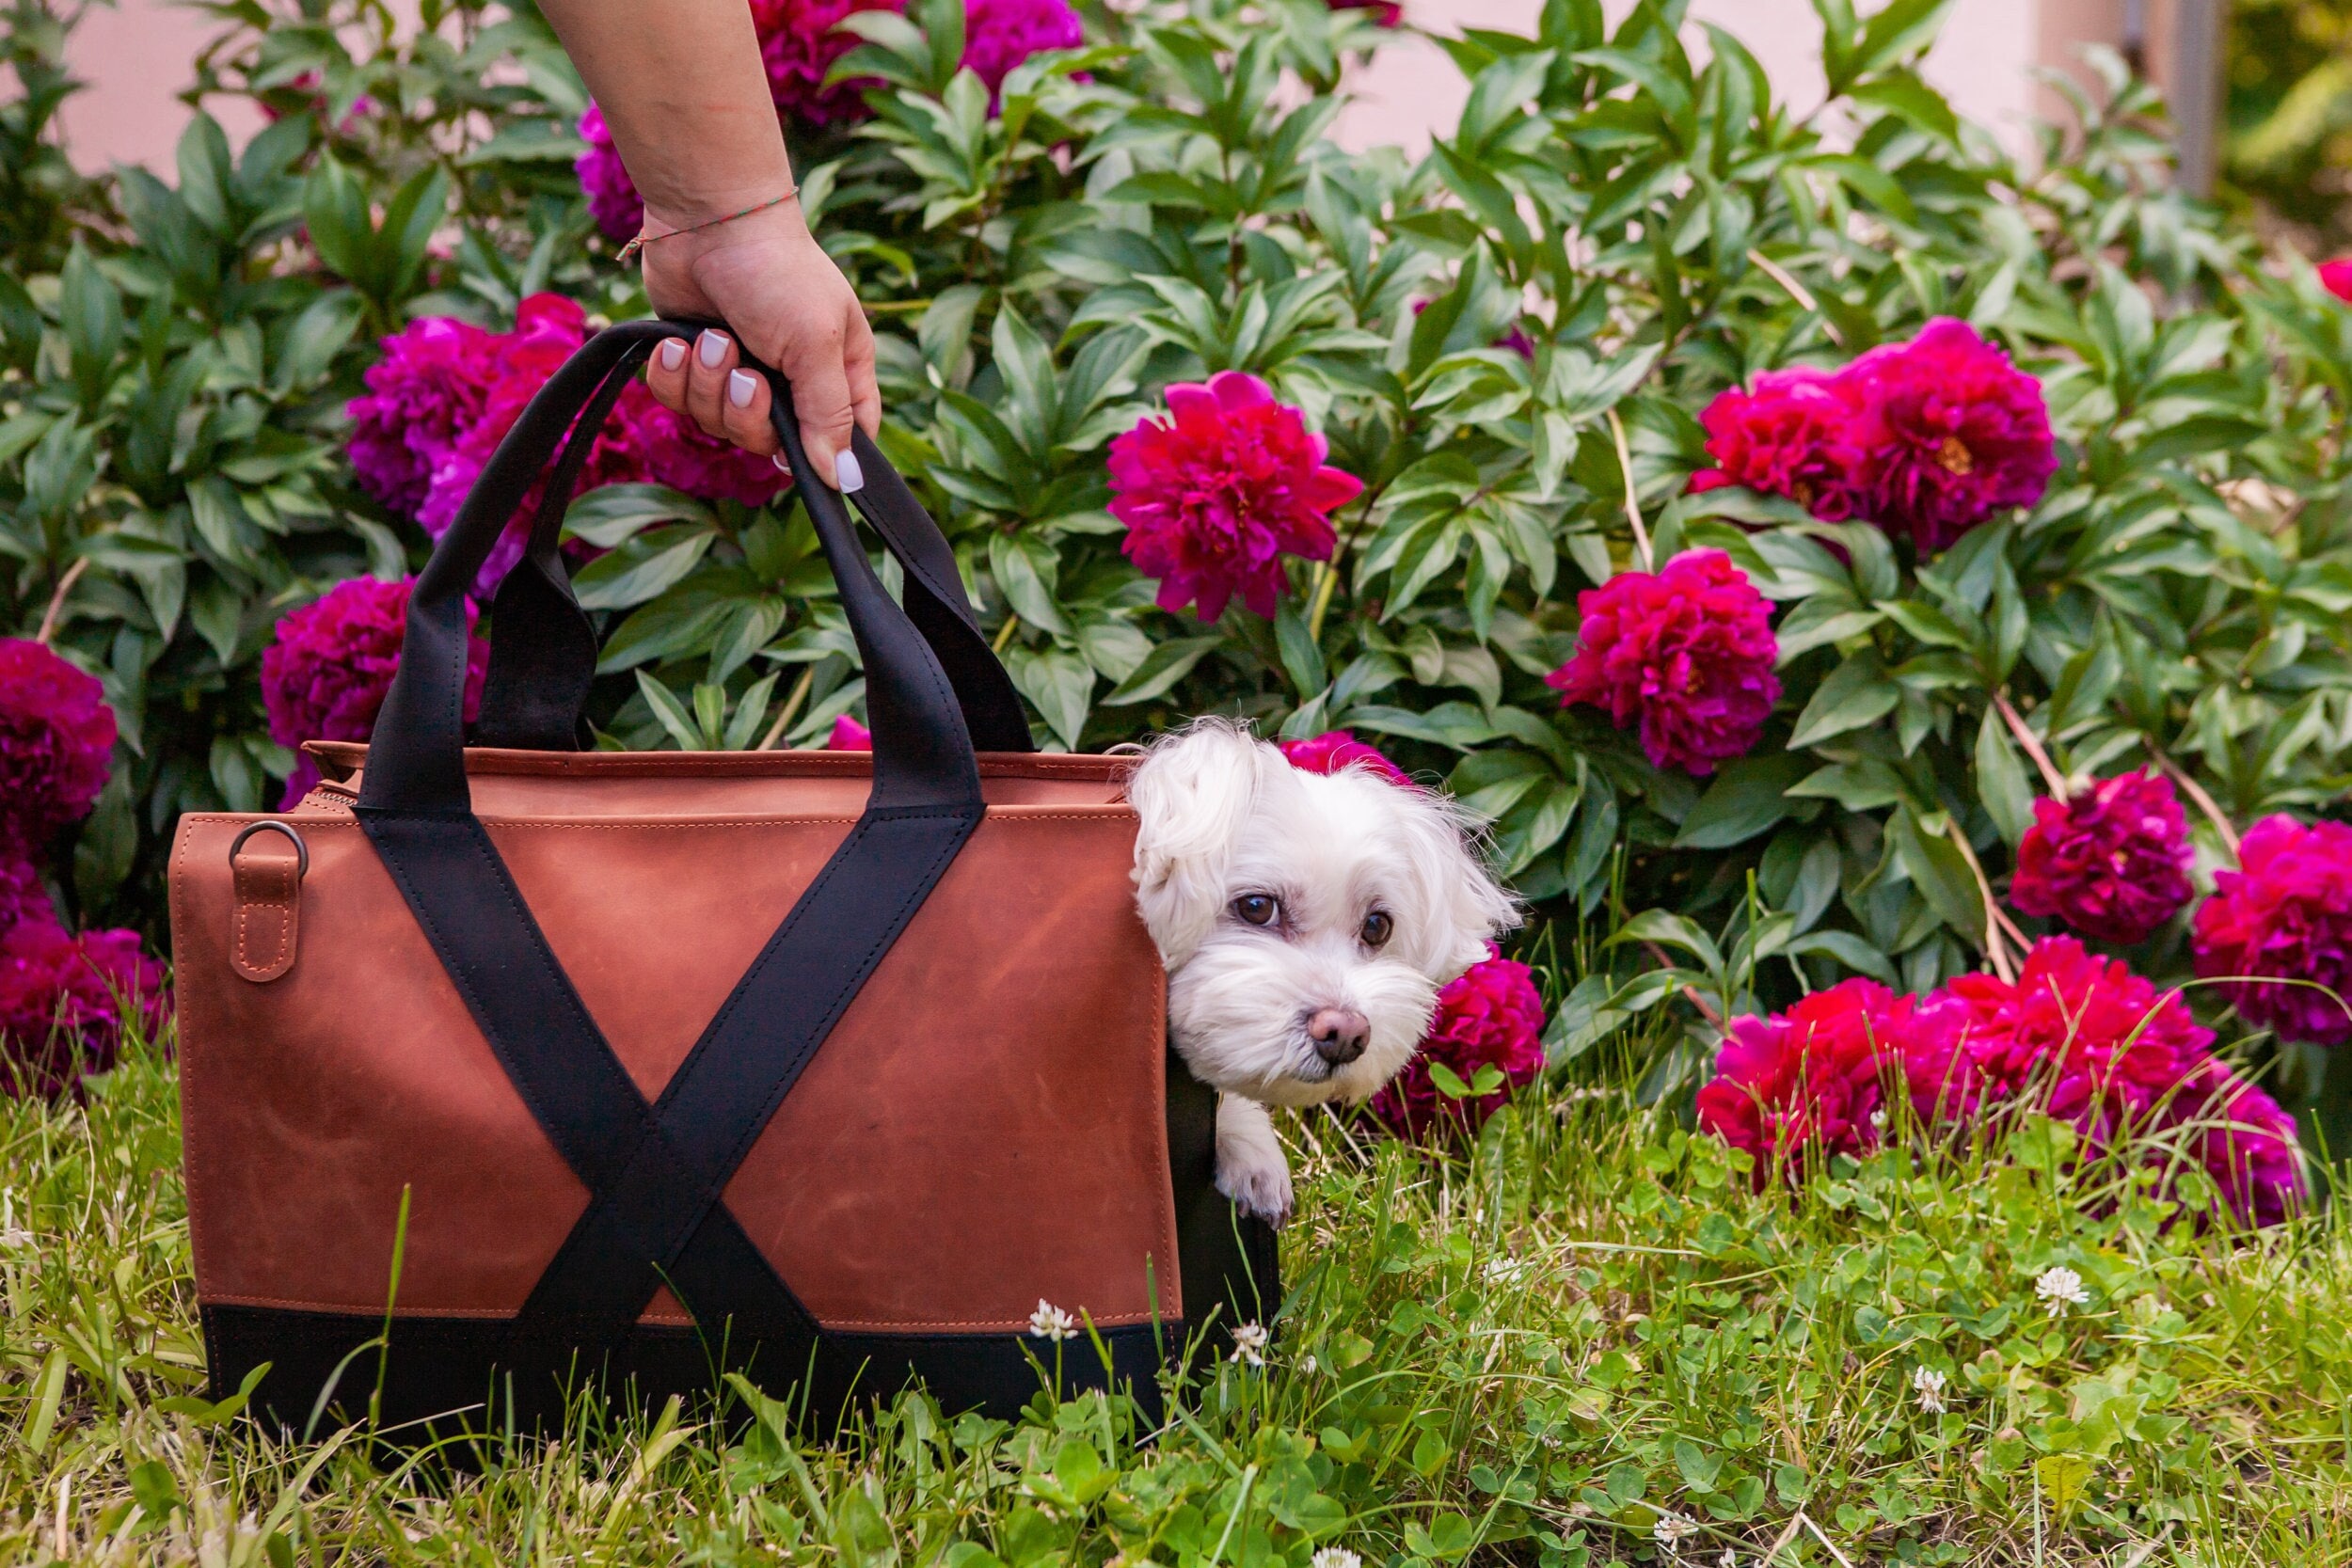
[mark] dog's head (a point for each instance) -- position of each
(1306, 921)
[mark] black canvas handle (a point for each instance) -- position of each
(934, 685)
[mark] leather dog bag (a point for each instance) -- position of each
(639, 1067)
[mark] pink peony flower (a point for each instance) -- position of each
(1810, 1081)
(2239, 1137)
(2336, 277)
(1787, 437)
(612, 198)
(1215, 496)
(850, 735)
(998, 35)
(56, 743)
(1334, 750)
(676, 453)
(1947, 433)
(22, 896)
(2112, 861)
(63, 1002)
(798, 44)
(325, 674)
(429, 390)
(1686, 653)
(1492, 1016)
(2078, 1037)
(2285, 914)
(1387, 13)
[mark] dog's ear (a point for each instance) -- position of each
(1193, 792)
(1465, 905)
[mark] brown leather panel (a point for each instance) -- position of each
(984, 1128)
(265, 932)
(307, 1103)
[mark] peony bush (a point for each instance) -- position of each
(1822, 563)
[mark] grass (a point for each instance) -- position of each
(1532, 1352)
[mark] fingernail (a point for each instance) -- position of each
(713, 348)
(741, 385)
(673, 354)
(784, 464)
(846, 470)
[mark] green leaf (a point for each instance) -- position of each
(642, 569)
(1746, 798)
(669, 712)
(1168, 663)
(2001, 783)
(1857, 692)
(1941, 874)
(1058, 683)
(1302, 660)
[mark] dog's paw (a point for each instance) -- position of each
(1250, 1167)
(1263, 1189)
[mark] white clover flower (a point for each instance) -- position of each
(1928, 1383)
(1671, 1531)
(1309, 1365)
(1729, 1560)
(1504, 1270)
(2062, 1288)
(1336, 1557)
(1249, 1342)
(1050, 1323)
(1878, 1120)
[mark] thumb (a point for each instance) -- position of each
(820, 396)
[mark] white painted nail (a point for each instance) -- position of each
(712, 346)
(673, 354)
(741, 385)
(784, 464)
(846, 470)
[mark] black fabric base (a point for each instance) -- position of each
(449, 1375)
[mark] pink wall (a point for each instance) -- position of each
(137, 58)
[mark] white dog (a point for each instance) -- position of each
(1306, 922)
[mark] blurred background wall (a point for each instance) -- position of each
(2263, 88)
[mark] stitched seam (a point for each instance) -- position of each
(245, 919)
(1007, 1325)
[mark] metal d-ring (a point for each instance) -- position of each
(302, 850)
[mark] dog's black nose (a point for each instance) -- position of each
(1340, 1035)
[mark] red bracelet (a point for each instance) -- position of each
(629, 251)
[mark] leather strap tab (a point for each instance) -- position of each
(268, 909)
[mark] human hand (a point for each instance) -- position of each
(766, 277)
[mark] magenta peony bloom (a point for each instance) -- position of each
(1334, 750)
(998, 35)
(2239, 1137)
(2112, 861)
(57, 742)
(1787, 437)
(1492, 1016)
(1387, 13)
(427, 391)
(1810, 1081)
(2285, 914)
(1215, 496)
(612, 198)
(22, 896)
(798, 44)
(676, 453)
(325, 675)
(850, 735)
(2336, 277)
(1687, 653)
(63, 1002)
(1947, 433)
(2078, 1037)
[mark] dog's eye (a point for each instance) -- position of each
(1378, 929)
(1256, 908)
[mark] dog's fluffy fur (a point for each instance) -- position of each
(1228, 824)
